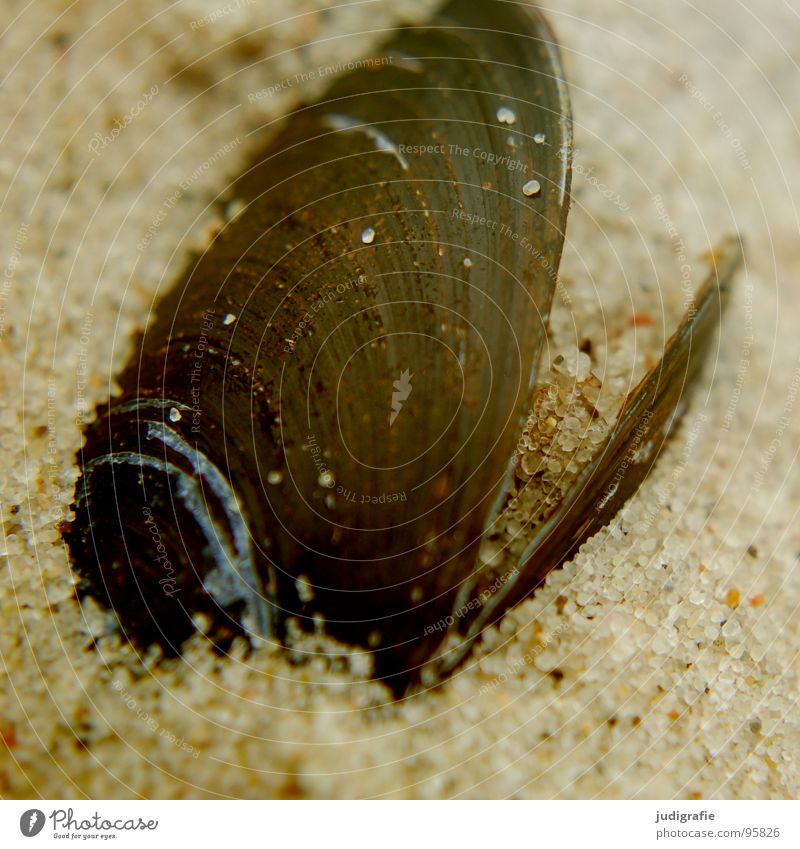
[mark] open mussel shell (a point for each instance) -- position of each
(319, 423)
(318, 427)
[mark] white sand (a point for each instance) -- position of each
(619, 678)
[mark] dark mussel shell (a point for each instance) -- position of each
(319, 425)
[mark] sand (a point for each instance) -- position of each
(661, 662)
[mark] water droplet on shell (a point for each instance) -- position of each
(506, 115)
(532, 188)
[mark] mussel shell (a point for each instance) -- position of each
(318, 425)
